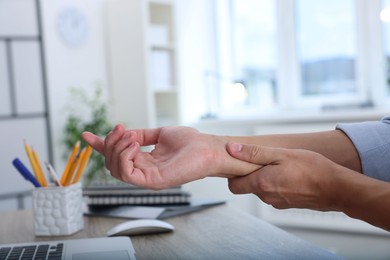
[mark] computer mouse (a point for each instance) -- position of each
(140, 227)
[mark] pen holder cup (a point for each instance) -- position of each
(58, 210)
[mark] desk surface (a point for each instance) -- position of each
(221, 232)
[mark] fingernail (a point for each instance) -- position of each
(236, 147)
(116, 128)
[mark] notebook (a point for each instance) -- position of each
(118, 248)
(151, 212)
(132, 195)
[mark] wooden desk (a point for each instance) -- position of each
(221, 232)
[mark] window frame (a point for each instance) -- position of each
(371, 81)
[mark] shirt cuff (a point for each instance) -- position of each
(372, 141)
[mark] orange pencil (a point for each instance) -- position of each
(83, 163)
(72, 169)
(40, 174)
(70, 162)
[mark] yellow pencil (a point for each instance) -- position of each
(40, 174)
(72, 169)
(70, 162)
(32, 161)
(83, 163)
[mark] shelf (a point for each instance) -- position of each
(171, 91)
(143, 60)
(162, 47)
(162, 2)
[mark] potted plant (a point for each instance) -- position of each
(88, 113)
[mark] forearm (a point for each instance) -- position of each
(334, 145)
(363, 198)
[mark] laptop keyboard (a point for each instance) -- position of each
(35, 252)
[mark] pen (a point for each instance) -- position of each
(53, 174)
(40, 175)
(83, 163)
(70, 162)
(25, 172)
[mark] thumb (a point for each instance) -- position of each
(256, 154)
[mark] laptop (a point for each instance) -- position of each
(113, 248)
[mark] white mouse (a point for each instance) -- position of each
(140, 227)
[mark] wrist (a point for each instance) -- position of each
(347, 186)
(220, 165)
(228, 166)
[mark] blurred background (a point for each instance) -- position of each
(231, 67)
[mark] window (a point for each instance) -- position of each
(326, 39)
(249, 66)
(256, 52)
(294, 54)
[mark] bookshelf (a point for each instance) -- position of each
(142, 61)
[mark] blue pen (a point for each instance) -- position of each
(25, 172)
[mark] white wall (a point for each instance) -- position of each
(67, 66)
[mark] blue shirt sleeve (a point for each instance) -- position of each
(372, 141)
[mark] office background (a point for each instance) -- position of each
(43, 55)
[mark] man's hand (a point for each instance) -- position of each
(293, 178)
(288, 178)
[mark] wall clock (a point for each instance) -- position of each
(72, 26)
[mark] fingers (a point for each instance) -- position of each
(109, 143)
(144, 137)
(254, 153)
(148, 136)
(242, 185)
(94, 141)
(125, 164)
(120, 154)
(261, 184)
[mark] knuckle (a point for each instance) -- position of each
(255, 153)
(122, 157)
(265, 187)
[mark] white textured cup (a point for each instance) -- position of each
(58, 210)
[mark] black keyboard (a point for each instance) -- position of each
(35, 252)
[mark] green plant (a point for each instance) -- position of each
(87, 113)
